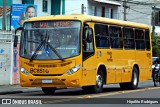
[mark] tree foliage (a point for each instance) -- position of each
(155, 45)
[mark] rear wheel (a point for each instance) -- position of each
(134, 81)
(48, 90)
(99, 84)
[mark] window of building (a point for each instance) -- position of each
(45, 6)
(110, 13)
(94, 10)
(102, 37)
(103, 11)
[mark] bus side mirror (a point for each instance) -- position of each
(15, 41)
(16, 37)
(89, 35)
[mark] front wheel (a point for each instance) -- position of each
(48, 90)
(156, 79)
(99, 84)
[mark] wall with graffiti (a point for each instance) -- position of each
(5, 63)
(9, 60)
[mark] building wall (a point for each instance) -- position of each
(74, 6)
(139, 13)
(17, 1)
(6, 56)
(108, 8)
(39, 4)
(89, 8)
(142, 13)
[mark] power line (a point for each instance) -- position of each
(142, 16)
(139, 11)
(135, 2)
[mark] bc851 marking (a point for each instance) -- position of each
(39, 70)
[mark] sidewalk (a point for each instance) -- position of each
(13, 89)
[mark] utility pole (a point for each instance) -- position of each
(4, 16)
(82, 8)
(125, 7)
(153, 20)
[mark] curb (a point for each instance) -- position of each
(18, 91)
(10, 92)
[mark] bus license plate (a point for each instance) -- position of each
(46, 81)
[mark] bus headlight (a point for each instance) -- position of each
(24, 71)
(73, 70)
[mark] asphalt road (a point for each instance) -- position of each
(112, 96)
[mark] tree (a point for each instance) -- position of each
(155, 45)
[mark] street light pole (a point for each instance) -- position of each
(124, 6)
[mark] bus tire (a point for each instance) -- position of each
(99, 82)
(135, 79)
(48, 90)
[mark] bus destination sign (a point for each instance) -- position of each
(49, 24)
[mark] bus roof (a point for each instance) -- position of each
(89, 18)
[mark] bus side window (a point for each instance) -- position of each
(116, 37)
(101, 35)
(128, 36)
(147, 40)
(139, 37)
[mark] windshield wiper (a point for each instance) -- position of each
(38, 48)
(55, 51)
(45, 41)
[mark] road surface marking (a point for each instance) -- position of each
(118, 92)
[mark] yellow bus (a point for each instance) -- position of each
(83, 51)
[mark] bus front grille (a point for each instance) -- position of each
(47, 74)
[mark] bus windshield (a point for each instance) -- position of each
(43, 40)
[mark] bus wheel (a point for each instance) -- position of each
(99, 82)
(135, 79)
(48, 90)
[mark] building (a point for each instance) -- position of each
(141, 11)
(103, 8)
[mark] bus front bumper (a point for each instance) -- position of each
(62, 81)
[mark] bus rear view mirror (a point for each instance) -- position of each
(16, 37)
(15, 41)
